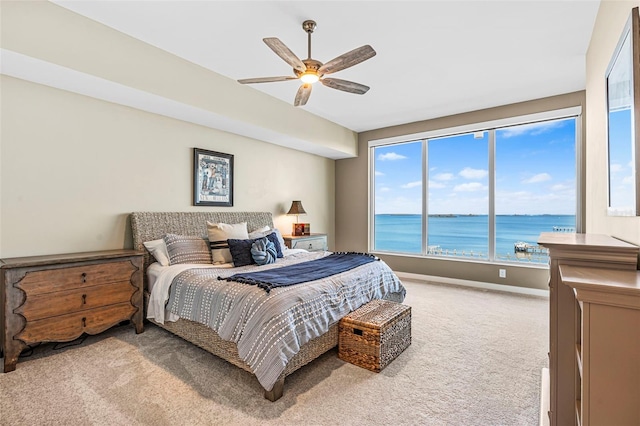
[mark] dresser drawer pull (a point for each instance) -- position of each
(84, 321)
(84, 277)
(84, 299)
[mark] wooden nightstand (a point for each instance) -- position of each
(313, 242)
(57, 298)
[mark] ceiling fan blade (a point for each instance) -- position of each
(265, 79)
(303, 94)
(347, 60)
(285, 53)
(345, 86)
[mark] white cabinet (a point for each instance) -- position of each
(312, 242)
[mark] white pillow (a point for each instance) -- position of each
(219, 233)
(158, 250)
(259, 231)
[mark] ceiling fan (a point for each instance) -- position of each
(310, 70)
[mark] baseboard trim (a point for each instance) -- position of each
(544, 398)
(476, 284)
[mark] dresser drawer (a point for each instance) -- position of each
(70, 326)
(64, 302)
(53, 280)
(311, 244)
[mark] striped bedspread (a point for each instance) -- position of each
(269, 328)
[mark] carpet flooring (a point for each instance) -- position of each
(475, 359)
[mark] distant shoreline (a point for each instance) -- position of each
(467, 236)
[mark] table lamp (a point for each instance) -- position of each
(298, 228)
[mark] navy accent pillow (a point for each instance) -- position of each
(241, 249)
(241, 252)
(274, 239)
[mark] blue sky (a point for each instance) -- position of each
(621, 165)
(535, 172)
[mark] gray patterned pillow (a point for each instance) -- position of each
(187, 249)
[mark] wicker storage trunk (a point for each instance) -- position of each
(375, 334)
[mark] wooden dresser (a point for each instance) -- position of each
(57, 298)
(607, 345)
(596, 250)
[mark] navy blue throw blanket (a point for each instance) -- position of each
(303, 272)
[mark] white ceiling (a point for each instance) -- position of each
(434, 58)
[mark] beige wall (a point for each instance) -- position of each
(73, 167)
(352, 206)
(48, 32)
(610, 21)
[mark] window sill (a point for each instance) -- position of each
(463, 260)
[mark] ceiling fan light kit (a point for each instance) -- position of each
(310, 70)
(309, 77)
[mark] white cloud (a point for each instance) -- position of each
(385, 189)
(533, 129)
(398, 205)
(517, 194)
(436, 185)
(465, 204)
(540, 177)
(560, 187)
(469, 187)
(444, 176)
(470, 173)
(412, 184)
(379, 173)
(391, 156)
(528, 203)
(615, 168)
(507, 202)
(628, 180)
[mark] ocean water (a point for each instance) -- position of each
(467, 236)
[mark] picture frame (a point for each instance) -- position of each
(299, 229)
(212, 178)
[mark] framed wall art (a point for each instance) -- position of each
(212, 178)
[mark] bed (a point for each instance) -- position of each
(148, 226)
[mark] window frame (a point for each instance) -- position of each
(487, 126)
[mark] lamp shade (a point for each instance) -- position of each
(296, 208)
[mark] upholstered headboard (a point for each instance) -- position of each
(147, 226)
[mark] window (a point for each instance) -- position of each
(535, 186)
(398, 218)
(483, 194)
(458, 196)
